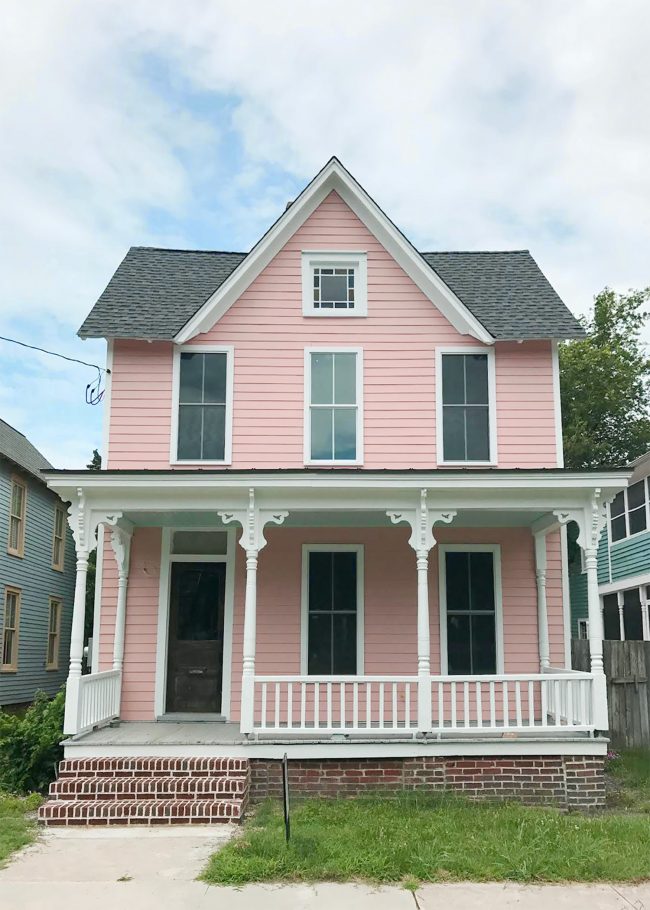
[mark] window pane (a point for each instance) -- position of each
(319, 652)
(191, 377)
(214, 388)
(636, 495)
(189, 432)
(478, 434)
(458, 644)
(322, 382)
(618, 505)
(476, 378)
(214, 431)
(334, 287)
(453, 379)
(344, 581)
(453, 433)
(200, 543)
(481, 581)
(484, 654)
(321, 433)
(637, 520)
(612, 629)
(457, 576)
(632, 616)
(344, 641)
(320, 581)
(17, 500)
(345, 433)
(345, 383)
(618, 528)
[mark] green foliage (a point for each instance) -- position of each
(17, 829)
(629, 772)
(416, 838)
(604, 385)
(29, 745)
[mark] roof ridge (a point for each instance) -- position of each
(12, 427)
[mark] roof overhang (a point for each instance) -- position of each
(335, 177)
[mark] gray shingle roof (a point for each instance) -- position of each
(154, 292)
(18, 449)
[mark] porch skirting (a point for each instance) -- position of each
(566, 781)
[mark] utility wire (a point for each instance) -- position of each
(33, 347)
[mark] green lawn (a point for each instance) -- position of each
(433, 839)
(17, 829)
(629, 787)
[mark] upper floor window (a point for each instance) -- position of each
(333, 418)
(466, 420)
(334, 284)
(629, 511)
(53, 634)
(18, 501)
(203, 402)
(10, 627)
(58, 542)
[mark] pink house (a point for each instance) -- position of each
(331, 524)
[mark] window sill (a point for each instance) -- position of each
(58, 568)
(335, 314)
(200, 464)
(8, 669)
(333, 464)
(16, 553)
(636, 534)
(467, 464)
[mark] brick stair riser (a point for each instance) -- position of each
(140, 812)
(154, 767)
(148, 788)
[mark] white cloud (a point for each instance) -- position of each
(475, 125)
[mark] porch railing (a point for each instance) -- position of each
(99, 699)
(554, 701)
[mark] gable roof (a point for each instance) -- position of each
(18, 449)
(176, 294)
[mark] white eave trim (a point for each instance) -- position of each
(335, 177)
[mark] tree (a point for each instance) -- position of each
(605, 384)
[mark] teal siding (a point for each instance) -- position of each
(38, 581)
(578, 596)
(631, 557)
(603, 559)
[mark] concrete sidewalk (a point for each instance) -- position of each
(151, 869)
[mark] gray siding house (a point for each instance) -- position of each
(37, 575)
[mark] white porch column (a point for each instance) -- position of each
(422, 520)
(645, 620)
(542, 612)
(620, 599)
(591, 521)
(253, 519)
(121, 535)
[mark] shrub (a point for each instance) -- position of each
(29, 745)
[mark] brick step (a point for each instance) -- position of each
(141, 811)
(181, 786)
(153, 767)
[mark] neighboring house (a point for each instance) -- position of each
(331, 524)
(37, 575)
(623, 565)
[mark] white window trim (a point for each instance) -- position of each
(176, 384)
(307, 407)
(314, 258)
(583, 624)
(492, 405)
(495, 549)
(308, 548)
(626, 513)
(167, 558)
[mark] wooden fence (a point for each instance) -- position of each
(627, 668)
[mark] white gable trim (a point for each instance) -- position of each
(335, 177)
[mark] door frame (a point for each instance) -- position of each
(166, 560)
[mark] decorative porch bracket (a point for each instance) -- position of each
(422, 520)
(253, 520)
(83, 521)
(591, 520)
(121, 534)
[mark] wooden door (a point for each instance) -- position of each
(195, 641)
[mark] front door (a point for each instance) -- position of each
(195, 643)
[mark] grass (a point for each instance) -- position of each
(17, 829)
(629, 781)
(415, 839)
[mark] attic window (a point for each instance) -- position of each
(334, 284)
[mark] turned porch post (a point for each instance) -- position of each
(253, 519)
(542, 612)
(422, 520)
(121, 542)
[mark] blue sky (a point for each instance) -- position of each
(480, 125)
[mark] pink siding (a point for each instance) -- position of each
(269, 334)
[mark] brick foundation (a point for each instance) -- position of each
(569, 782)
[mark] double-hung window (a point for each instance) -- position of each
(203, 379)
(629, 511)
(58, 541)
(18, 500)
(470, 605)
(333, 407)
(332, 595)
(10, 627)
(466, 431)
(53, 634)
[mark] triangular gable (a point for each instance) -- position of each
(335, 177)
